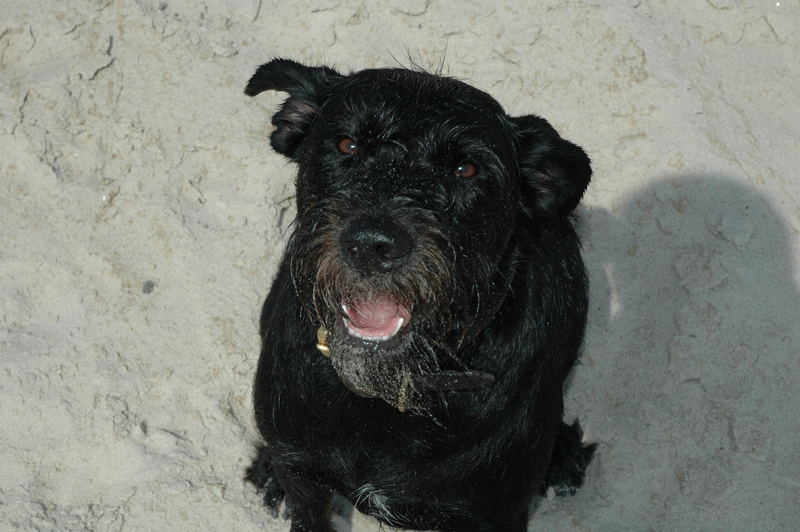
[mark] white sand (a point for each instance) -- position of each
(139, 210)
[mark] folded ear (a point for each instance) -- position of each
(554, 172)
(307, 88)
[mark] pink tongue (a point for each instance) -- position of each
(376, 319)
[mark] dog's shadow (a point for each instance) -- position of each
(692, 333)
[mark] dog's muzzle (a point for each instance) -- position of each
(377, 276)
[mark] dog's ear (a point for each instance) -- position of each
(307, 87)
(554, 172)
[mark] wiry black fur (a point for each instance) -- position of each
(495, 281)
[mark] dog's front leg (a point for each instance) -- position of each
(309, 503)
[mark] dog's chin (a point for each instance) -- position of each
(363, 357)
(373, 355)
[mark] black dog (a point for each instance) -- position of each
(430, 304)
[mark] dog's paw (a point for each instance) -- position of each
(260, 474)
(569, 461)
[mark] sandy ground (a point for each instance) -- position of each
(142, 216)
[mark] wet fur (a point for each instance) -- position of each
(495, 280)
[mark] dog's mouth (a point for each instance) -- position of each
(378, 320)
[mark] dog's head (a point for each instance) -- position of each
(411, 194)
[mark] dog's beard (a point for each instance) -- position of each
(392, 376)
(384, 356)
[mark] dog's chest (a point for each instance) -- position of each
(382, 478)
(376, 502)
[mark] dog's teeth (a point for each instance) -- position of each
(399, 326)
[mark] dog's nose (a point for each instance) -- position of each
(374, 244)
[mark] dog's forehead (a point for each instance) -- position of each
(414, 94)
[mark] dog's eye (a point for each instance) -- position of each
(465, 170)
(347, 146)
